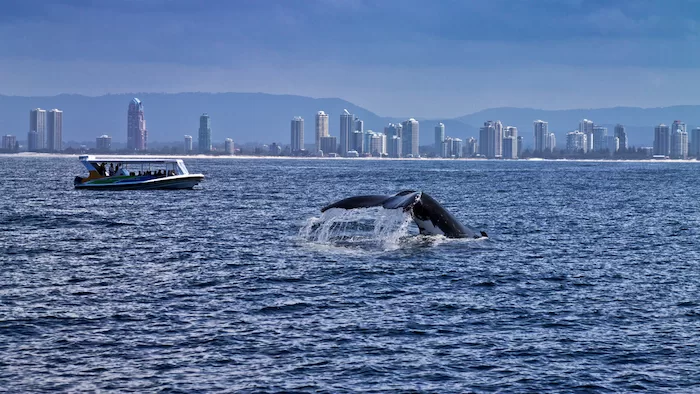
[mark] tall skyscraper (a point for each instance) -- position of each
(439, 138)
(410, 138)
(37, 123)
(103, 143)
(188, 144)
(662, 140)
(510, 147)
(498, 126)
(204, 142)
(54, 131)
(487, 140)
(359, 125)
(586, 127)
(471, 149)
(357, 142)
(136, 132)
(621, 135)
(394, 146)
(541, 135)
(377, 145)
(576, 142)
(600, 138)
(329, 145)
(297, 134)
(347, 126)
(32, 141)
(228, 146)
(393, 130)
(510, 136)
(321, 129)
(551, 143)
(613, 144)
(9, 143)
(457, 147)
(695, 142)
(679, 140)
(521, 140)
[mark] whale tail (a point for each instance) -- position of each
(405, 199)
(428, 214)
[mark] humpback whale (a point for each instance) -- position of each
(428, 214)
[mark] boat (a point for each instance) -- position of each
(131, 173)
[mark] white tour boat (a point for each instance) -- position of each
(128, 173)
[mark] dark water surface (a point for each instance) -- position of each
(589, 282)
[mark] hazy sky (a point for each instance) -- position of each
(395, 57)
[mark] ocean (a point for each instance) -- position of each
(589, 280)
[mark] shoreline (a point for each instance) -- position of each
(250, 157)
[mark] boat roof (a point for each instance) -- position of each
(127, 159)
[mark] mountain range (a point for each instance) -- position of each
(265, 118)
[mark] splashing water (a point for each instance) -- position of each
(358, 227)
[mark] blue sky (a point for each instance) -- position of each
(398, 58)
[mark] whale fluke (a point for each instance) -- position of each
(428, 214)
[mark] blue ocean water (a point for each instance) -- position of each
(589, 281)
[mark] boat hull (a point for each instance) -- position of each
(138, 183)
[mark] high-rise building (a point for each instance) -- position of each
(394, 146)
(357, 142)
(54, 131)
(378, 145)
(487, 140)
(576, 142)
(498, 126)
(695, 142)
(600, 138)
(136, 132)
(392, 130)
(511, 133)
(228, 146)
(471, 149)
(359, 125)
(439, 137)
(297, 134)
(679, 140)
(321, 129)
(409, 138)
(446, 148)
(662, 140)
(510, 147)
(541, 135)
(586, 127)
(188, 144)
(329, 145)
(621, 135)
(551, 143)
(103, 143)
(347, 126)
(37, 123)
(457, 147)
(33, 141)
(204, 134)
(521, 143)
(9, 143)
(613, 144)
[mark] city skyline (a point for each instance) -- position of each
(594, 137)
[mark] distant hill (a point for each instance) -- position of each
(260, 117)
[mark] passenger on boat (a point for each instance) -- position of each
(111, 169)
